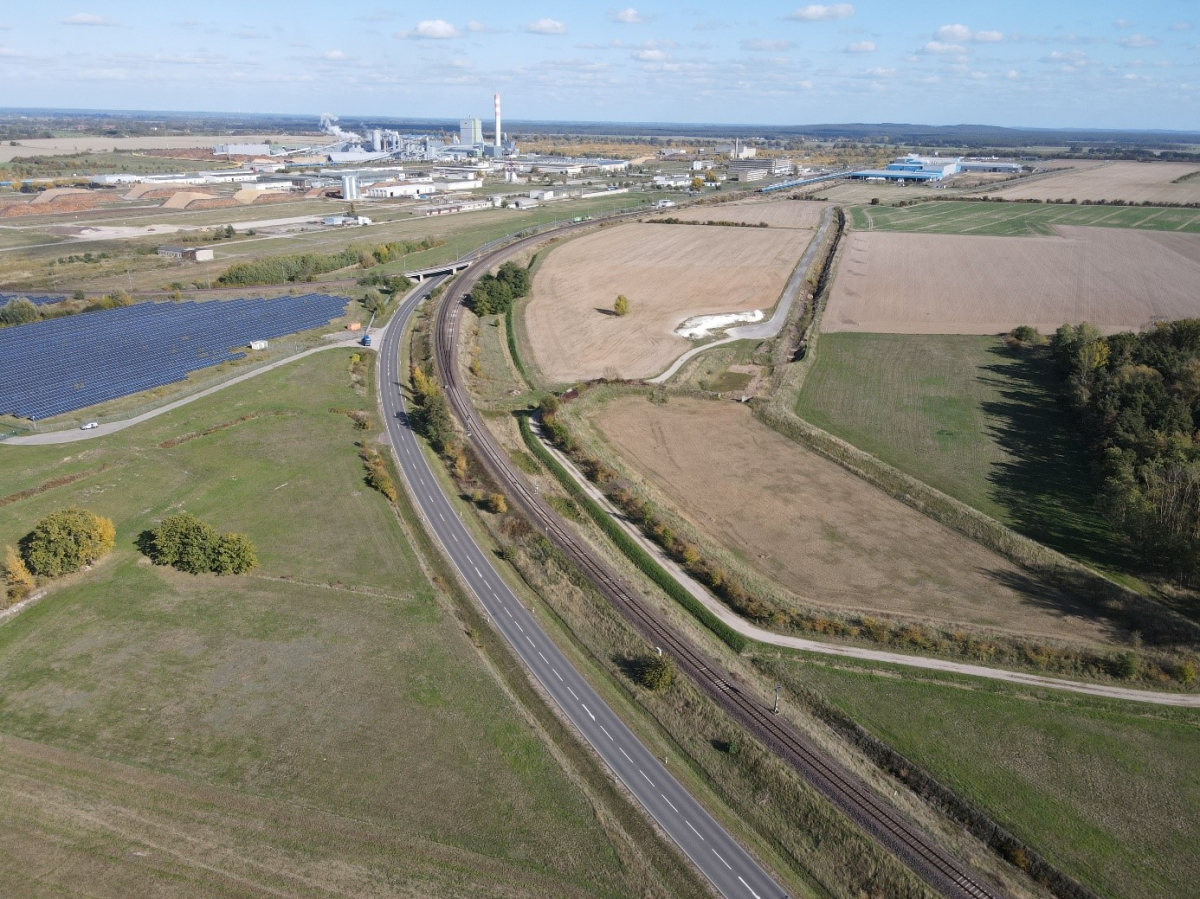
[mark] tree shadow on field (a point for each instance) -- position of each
(1067, 605)
(604, 311)
(1045, 485)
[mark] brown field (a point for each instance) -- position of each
(668, 273)
(818, 530)
(60, 146)
(1134, 182)
(777, 214)
(1117, 279)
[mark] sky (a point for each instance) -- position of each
(1096, 64)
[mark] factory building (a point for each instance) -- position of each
(391, 191)
(933, 168)
(470, 131)
(186, 254)
(750, 169)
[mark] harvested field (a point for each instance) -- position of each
(1019, 219)
(821, 532)
(669, 275)
(1133, 182)
(951, 284)
(777, 214)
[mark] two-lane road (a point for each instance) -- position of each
(723, 861)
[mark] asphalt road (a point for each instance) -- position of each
(710, 847)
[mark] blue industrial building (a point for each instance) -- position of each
(933, 168)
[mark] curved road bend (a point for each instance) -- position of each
(710, 847)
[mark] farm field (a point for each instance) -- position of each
(968, 416)
(669, 273)
(1018, 219)
(777, 213)
(821, 532)
(1106, 790)
(58, 146)
(321, 727)
(1133, 182)
(1115, 279)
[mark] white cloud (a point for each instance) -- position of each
(650, 55)
(87, 18)
(1138, 42)
(862, 47)
(766, 46)
(628, 16)
(880, 72)
(1011, 74)
(546, 26)
(961, 34)
(1181, 26)
(333, 55)
(10, 53)
(710, 25)
(430, 30)
(938, 48)
(478, 28)
(816, 12)
(1122, 23)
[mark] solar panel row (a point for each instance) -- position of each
(51, 367)
(38, 299)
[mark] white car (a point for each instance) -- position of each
(89, 426)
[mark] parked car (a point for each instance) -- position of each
(89, 426)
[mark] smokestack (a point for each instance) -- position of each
(497, 121)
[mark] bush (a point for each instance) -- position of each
(497, 504)
(18, 312)
(621, 306)
(66, 541)
(17, 576)
(188, 544)
(656, 672)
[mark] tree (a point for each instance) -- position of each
(656, 672)
(16, 575)
(184, 542)
(497, 504)
(18, 311)
(67, 540)
(234, 554)
(621, 306)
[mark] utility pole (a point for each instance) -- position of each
(775, 711)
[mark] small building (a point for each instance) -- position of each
(541, 195)
(258, 344)
(669, 181)
(391, 191)
(186, 254)
(524, 203)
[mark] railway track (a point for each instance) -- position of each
(853, 797)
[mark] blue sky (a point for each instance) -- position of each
(1106, 63)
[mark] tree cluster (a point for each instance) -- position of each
(656, 672)
(377, 477)
(188, 544)
(431, 413)
(1139, 395)
(67, 540)
(494, 294)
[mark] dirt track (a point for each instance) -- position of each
(819, 531)
(952, 284)
(668, 272)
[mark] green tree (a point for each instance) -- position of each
(18, 311)
(66, 540)
(234, 554)
(621, 306)
(184, 542)
(656, 672)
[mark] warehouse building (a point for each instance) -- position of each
(186, 254)
(933, 168)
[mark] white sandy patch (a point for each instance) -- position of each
(703, 326)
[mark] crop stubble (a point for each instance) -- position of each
(953, 284)
(1133, 182)
(819, 531)
(669, 273)
(779, 214)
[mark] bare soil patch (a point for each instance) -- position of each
(668, 273)
(961, 284)
(821, 532)
(1134, 182)
(777, 214)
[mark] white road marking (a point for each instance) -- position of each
(454, 535)
(544, 659)
(556, 674)
(725, 863)
(531, 643)
(477, 571)
(589, 711)
(643, 773)
(572, 692)
(508, 613)
(750, 888)
(669, 802)
(696, 832)
(441, 516)
(624, 753)
(606, 733)
(521, 629)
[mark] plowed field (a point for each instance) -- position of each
(821, 532)
(951, 284)
(669, 273)
(1133, 182)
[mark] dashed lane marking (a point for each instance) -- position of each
(648, 780)
(696, 832)
(725, 863)
(556, 674)
(572, 692)
(624, 753)
(544, 659)
(606, 733)
(531, 643)
(589, 711)
(750, 888)
(670, 803)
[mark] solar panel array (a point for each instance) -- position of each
(38, 299)
(56, 366)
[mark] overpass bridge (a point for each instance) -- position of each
(447, 268)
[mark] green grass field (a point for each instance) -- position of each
(1106, 790)
(970, 417)
(1018, 219)
(327, 711)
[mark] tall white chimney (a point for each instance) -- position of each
(497, 121)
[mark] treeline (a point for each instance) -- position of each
(494, 294)
(1139, 400)
(672, 220)
(307, 266)
(20, 311)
